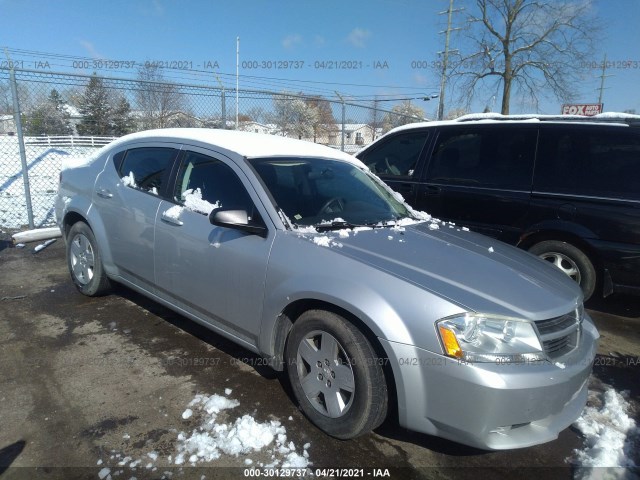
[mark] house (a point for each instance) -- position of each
(356, 135)
(7, 125)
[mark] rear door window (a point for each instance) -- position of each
(591, 161)
(491, 158)
(147, 168)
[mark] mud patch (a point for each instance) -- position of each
(105, 426)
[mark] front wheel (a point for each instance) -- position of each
(335, 374)
(85, 262)
(571, 260)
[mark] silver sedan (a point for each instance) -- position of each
(298, 253)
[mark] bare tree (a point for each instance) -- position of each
(455, 113)
(293, 116)
(325, 122)
(402, 114)
(157, 100)
(535, 47)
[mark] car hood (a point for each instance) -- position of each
(469, 269)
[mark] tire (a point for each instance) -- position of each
(85, 261)
(345, 393)
(571, 260)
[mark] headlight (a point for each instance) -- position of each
(480, 338)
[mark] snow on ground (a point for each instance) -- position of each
(213, 434)
(610, 437)
(44, 164)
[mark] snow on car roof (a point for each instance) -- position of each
(247, 144)
(491, 117)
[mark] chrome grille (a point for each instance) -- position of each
(559, 335)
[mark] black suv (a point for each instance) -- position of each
(565, 189)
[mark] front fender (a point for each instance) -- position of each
(363, 302)
(390, 306)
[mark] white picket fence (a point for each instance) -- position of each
(68, 141)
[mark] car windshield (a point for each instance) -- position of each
(325, 193)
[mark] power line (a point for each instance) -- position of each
(191, 74)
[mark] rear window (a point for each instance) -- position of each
(590, 161)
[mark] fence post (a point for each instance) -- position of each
(343, 121)
(224, 110)
(23, 154)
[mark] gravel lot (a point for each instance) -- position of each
(87, 382)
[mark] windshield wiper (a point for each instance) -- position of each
(338, 225)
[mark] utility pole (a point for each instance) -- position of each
(602, 77)
(445, 56)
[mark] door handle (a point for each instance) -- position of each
(104, 193)
(402, 187)
(431, 190)
(171, 220)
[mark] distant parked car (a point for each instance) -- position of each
(296, 252)
(564, 188)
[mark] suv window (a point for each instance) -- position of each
(588, 161)
(217, 182)
(398, 156)
(485, 158)
(146, 168)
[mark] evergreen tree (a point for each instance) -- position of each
(95, 109)
(121, 121)
(49, 117)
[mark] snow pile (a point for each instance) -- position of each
(194, 202)
(129, 180)
(173, 212)
(325, 241)
(211, 439)
(608, 432)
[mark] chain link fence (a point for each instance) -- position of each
(47, 119)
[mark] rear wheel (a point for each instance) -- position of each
(85, 262)
(335, 375)
(571, 260)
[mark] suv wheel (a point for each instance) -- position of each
(85, 262)
(571, 260)
(335, 375)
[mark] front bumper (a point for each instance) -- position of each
(491, 406)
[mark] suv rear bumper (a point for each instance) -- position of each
(491, 406)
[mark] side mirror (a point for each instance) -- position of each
(236, 219)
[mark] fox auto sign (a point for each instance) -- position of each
(584, 109)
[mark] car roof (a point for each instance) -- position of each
(247, 144)
(606, 118)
